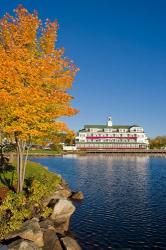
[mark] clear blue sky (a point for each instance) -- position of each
(120, 48)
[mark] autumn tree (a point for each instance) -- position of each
(34, 79)
(67, 137)
(158, 142)
(70, 138)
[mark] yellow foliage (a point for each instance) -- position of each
(34, 77)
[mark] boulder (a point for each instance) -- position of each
(51, 241)
(77, 195)
(62, 227)
(22, 245)
(3, 247)
(46, 224)
(30, 230)
(63, 193)
(70, 244)
(62, 211)
(59, 228)
(64, 184)
(59, 194)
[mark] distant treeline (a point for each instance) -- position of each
(158, 142)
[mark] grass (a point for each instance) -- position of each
(8, 176)
(40, 173)
(44, 152)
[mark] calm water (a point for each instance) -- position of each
(125, 199)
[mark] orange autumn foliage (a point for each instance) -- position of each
(34, 79)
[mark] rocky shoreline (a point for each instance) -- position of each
(51, 233)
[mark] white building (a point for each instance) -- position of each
(69, 148)
(109, 136)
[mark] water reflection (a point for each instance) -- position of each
(125, 202)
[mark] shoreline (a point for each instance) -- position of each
(155, 152)
(47, 225)
(48, 233)
(82, 153)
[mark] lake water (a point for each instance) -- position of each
(125, 199)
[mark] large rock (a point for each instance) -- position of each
(30, 230)
(62, 227)
(46, 224)
(62, 210)
(22, 245)
(77, 196)
(51, 241)
(3, 247)
(61, 193)
(70, 244)
(57, 227)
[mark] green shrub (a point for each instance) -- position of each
(13, 212)
(16, 208)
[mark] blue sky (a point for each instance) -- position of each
(120, 48)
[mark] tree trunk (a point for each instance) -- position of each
(21, 164)
(25, 164)
(11, 157)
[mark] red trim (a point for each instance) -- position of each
(108, 148)
(104, 137)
